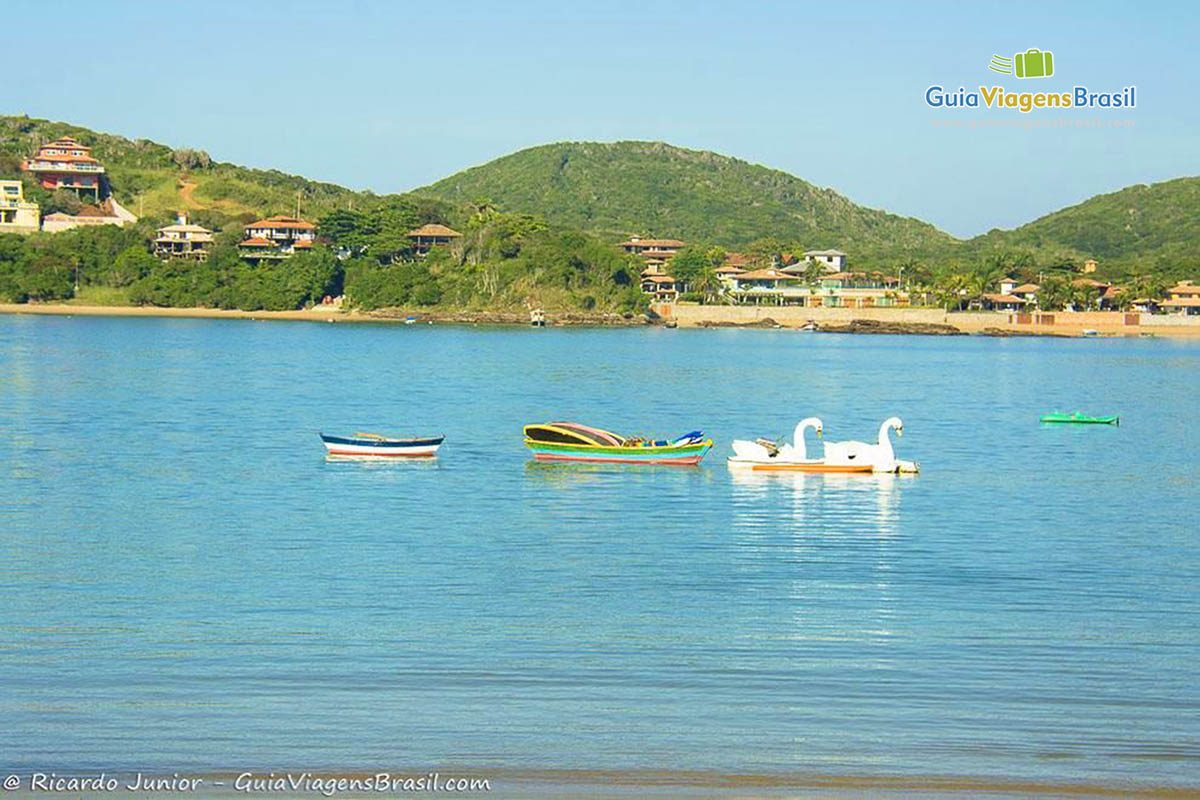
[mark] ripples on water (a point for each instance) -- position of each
(185, 582)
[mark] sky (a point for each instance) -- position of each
(391, 96)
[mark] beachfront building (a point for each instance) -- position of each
(183, 240)
(16, 214)
(834, 260)
(661, 288)
(427, 237)
(276, 237)
(769, 286)
(1004, 301)
(773, 286)
(735, 264)
(1095, 288)
(1182, 298)
(727, 272)
(67, 164)
(1026, 291)
(861, 290)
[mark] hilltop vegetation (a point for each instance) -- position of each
(1138, 230)
(708, 199)
(656, 189)
(153, 179)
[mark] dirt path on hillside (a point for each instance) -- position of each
(185, 192)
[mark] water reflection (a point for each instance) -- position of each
(860, 501)
(835, 536)
(376, 462)
(562, 472)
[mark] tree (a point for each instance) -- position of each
(953, 291)
(132, 264)
(1054, 293)
(687, 264)
(763, 252)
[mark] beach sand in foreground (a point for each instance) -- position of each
(599, 784)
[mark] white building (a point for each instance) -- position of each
(834, 260)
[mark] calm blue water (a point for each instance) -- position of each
(186, 583)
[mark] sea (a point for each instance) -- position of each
(188, 584)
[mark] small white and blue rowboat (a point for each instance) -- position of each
(373, 445)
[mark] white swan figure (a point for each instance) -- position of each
(880, 455)
(797, 450)
(746, 450)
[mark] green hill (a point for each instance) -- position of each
(656, 189)
(152, 179)
(651, 188)
(617, 189)
(1138, 229)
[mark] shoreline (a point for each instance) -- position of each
(325, 314)
(901, 322)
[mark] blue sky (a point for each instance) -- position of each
(391, 96)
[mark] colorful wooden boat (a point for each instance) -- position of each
(374, 445)
(1080, 419)
(570, 441)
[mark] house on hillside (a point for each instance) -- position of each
(108, 212)
(67, 164)
(640, 246)
(276, 237)
(427, 237)
(834, 260)
(16, 214)
(183, 240)
(655, 253)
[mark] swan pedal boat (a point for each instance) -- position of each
(570, 441)
(373, 445)
(763, 455)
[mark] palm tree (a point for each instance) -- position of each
(706, 282)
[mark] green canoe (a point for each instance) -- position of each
(1080, 419)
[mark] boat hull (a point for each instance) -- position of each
(1078, 419)
(687, 455)
(353, 447)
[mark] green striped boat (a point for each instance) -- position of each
(1080, 419)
